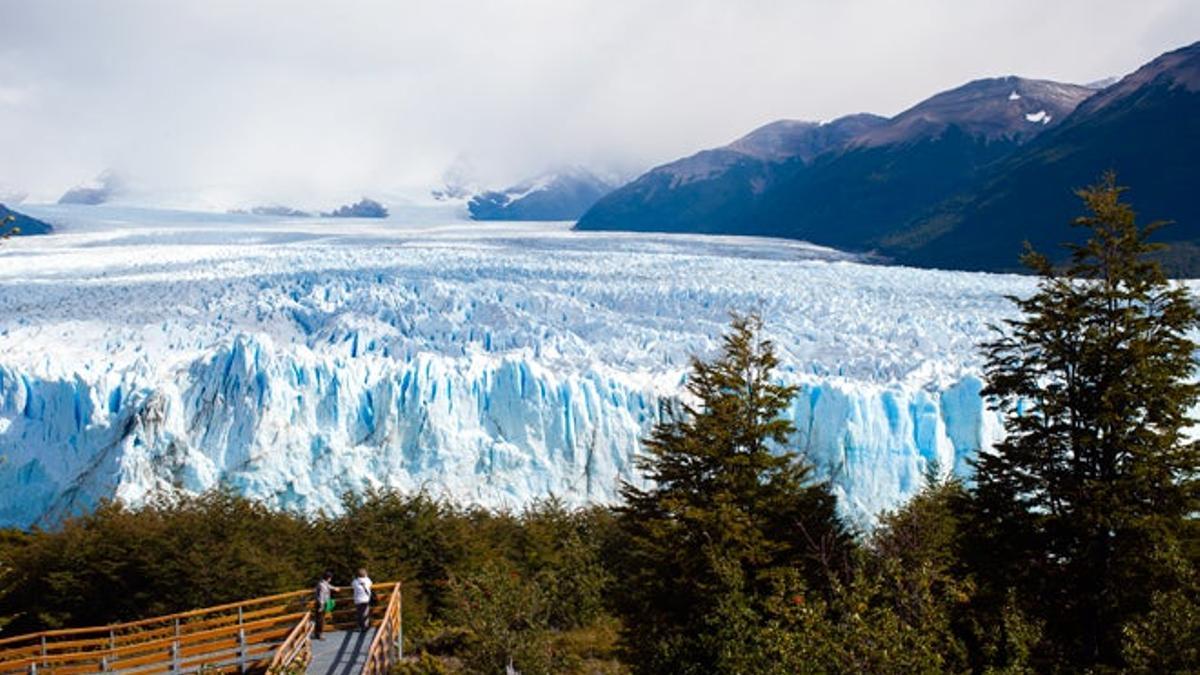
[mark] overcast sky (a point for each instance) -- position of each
(303, 102)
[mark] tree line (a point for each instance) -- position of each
(1074, 547)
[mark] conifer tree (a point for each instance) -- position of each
(730, 514)
(1083, 508)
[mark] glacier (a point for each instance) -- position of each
(147, 351)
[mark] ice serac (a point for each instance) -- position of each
(298, 430)
(877, 445)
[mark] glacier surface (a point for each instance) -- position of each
(144, 351)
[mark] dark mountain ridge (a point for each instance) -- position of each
(835, 181)
(958, 180)
(716, 191)
(1146, 127)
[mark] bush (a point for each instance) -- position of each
(507, 619)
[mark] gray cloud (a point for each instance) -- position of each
(311, 102)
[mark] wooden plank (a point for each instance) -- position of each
(65, 658)
(209, 647)
(228, 619)
(253, 652)
(78, 670)
(145, 659)
(275, 635)
(223, 656)
(214, 644)
(76, 645)
(7, 665)
(216, 608)
(200, 636)
(152, 669)
(269, 639)
(15, 653)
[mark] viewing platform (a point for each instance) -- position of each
(272, 634)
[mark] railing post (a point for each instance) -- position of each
(241, 641)
(104, 664)
(33, 668)
(242, 650)
(176, 666)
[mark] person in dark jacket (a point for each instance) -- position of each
(323, 601)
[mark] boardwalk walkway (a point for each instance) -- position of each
(340, 652)
(263, 635)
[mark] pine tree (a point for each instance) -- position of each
(730, 515)
(1082, 509)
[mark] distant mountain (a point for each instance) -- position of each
(363, 208)
(717, 190)
(98, 191)
(889, 175)
(959, 180)
(1146, 127)
(847, 182)
(24, 223)
(277, 210)
(564, 195)
(1002, 109)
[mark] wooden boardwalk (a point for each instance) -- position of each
(341, 652)
(264, 635)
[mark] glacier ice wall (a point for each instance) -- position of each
(297, 431)
(146, 352)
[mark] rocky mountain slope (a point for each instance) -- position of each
(1146, 127)
(958, 180)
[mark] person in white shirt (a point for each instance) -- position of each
(362, 599)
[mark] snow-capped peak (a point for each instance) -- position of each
(1040, 116)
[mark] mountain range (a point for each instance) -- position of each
(959, 180)
(99, 190)
(560, 195)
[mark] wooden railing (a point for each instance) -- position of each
(241, 636)
(387, 645)
(295, 652)
(232, 636)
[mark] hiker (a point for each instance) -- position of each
(323, 601)
(362, 599)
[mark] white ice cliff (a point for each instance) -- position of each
(149, 351)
